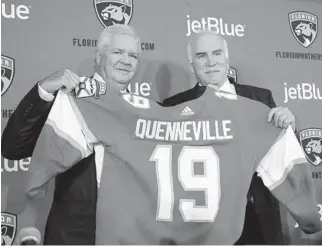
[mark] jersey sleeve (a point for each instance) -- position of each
(62, 143)
(284, 170)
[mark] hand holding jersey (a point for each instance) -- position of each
(282, 117)
(169, 174)
(153, 188)
(65, 79)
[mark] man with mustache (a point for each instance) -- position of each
(72, 219)
(209, 61)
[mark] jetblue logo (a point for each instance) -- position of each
(15, 166)
(303, 91)
(217, 25)
(140, 89)
(14, 11)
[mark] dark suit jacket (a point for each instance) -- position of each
(255, 93)
(262, 221)
(72, 217)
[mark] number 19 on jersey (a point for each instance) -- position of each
(209, 182)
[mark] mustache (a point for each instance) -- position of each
(213, 70)
(127, 69)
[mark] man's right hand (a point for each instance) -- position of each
(63, 79)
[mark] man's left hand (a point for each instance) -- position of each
(282, 117)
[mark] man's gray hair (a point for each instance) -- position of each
(106, 35)
(199, 34)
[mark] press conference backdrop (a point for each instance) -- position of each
(272, 44)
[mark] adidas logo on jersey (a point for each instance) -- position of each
(187, 111)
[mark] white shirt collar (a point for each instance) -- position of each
(228, 87)
(227, 90)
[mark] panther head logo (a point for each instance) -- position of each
(306, 31)
(304, 27)
(114, 12)
(314, 147)
(7, 72)
(311, 141)
(8, 228)
(5, 240)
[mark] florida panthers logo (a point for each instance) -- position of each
(7, 72)
(8, 228)
(89, 87)
(113, 12)
(314, 147)
(306, 31)
(311, 141)
(304, 27)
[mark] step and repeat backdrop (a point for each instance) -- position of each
(272, 44)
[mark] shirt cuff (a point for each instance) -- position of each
(44, 95)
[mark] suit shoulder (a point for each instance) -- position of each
(252, 106)
(256, 93)
(181, 97)
(254, 89)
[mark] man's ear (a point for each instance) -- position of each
(192, 70)
(98, 57)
